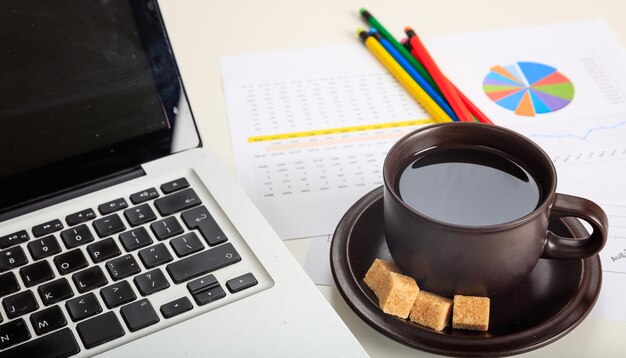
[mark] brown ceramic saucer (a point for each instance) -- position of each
(554, 299)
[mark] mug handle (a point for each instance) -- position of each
(558, 247)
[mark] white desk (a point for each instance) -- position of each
(202, 31)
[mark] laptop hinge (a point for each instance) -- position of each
(71, 193)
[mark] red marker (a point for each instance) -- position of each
(447, 89)
(478, 114)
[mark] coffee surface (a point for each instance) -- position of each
(469, 186)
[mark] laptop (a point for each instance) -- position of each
(119, 234)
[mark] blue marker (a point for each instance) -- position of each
(415, 75)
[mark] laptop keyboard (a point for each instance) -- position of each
(91, 276)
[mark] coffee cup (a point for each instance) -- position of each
(467, 208)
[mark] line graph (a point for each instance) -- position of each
(582, 140)
(585, 136)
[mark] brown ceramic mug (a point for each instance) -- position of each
(449, 258)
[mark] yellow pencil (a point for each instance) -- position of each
(405, 79)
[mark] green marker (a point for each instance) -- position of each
(398, 46)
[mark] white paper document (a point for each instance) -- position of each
(310, 128)
(317, 264)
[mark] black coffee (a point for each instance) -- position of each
(469, 185)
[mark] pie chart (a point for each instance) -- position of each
(528, 88)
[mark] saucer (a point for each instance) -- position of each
(555, 298)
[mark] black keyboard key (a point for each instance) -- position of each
(60, 344)
(83, 306)
(166, 228)
(8, 284)
(80, 217)
(210, 295)
(117, 294)
(36, 273)
(202, 284)
(186, 244)
(176, 307)
(139, 215)
(177, 202)
(48, 320)
(12, 333)
(12, 258)
(138, 315)
(70, 261)
(44, 247)
(76, 236)
(241, 283)
(200, 218)
(123, 267)
(174, 185)
(151, 282)
(144, 196)
(89, 279)
(205, 289)
(13, 239)
(194, 217)
(55, 291)
(135, 239)
(108, 225)
(99, 330)
(19, 304)
(47, 228)
(112, 206)
(155, 255)
(203, 262)
(103, 250)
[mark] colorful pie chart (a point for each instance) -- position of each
(528, 88)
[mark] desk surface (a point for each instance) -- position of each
(203, 31)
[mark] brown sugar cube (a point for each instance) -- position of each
(470, 312)
(377, 275)
(398, 295)
(431, 310)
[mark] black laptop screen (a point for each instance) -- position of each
(87, 89)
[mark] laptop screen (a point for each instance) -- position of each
(88, 89)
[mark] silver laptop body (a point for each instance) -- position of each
(119, 235)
